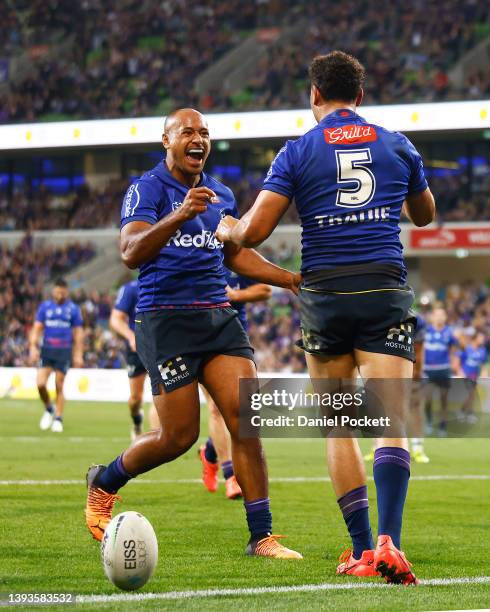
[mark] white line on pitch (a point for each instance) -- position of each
(302, 588)
(290, 479)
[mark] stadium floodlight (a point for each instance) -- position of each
(425, 117)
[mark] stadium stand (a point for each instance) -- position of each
(25, 273)
(108, 46)
(87, 208)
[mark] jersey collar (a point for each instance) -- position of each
(341, 115)
(164, 173)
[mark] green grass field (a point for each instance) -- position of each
(45, 547)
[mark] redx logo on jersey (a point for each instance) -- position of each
(350, 134)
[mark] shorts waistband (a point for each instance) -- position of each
(355, 278)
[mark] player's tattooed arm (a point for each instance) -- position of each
(251, 264)
(36, 333)
(257, 224)
(142, 241)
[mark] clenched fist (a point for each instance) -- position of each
(196, 202)
(225, 227)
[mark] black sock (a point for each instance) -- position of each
(137, 418)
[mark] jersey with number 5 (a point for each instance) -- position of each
(349, 179)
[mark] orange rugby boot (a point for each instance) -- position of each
(270, 547)
(98, 511)
(232, 487)
(209, 472)
(363, 567)
(391, 563)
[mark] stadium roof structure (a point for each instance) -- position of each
(427, 117)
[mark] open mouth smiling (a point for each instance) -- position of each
(195, 155)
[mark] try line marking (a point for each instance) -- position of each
(290, 479)
(302, 588)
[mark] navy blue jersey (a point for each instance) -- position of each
(437, 348)
(472, 360)
(126, 300)
(188, 271)
(58, 321)
(420, 329)
(349, 180)
(237, 281)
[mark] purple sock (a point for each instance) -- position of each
(355, 510)
(227, 469)
(210, 452)
(259, 518)
(113, 477)
(391, 472)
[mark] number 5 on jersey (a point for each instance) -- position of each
(351, 168)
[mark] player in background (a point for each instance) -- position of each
(417, 416)
(217, 450)
(349, 180)
(122, 322)
(186, 331)
(439, 349)
(59, 323)
(471, 360)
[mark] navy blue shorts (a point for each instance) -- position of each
(174, 344)
(56, 358)
(366, 312)
(439, 378)
(134, 365)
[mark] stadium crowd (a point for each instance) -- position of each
(25, 273)
(409, 51)
(88, 208)
(126, 57)
(132, 58)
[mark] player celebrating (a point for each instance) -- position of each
(59, 322)
(185, 329)
(122, 322)
(239, 291)
(440, 345)
(349, 180)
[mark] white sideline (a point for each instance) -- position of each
(302, 588)
(290, 479)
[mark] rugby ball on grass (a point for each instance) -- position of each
(129, 551)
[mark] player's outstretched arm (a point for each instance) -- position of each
(257, 224)
(248, 262)
(141, 241)
(257, 292)
(420, 207)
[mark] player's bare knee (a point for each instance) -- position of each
(179, 440)
(135, 401)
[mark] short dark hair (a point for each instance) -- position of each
(61, 282)
(337, 75)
